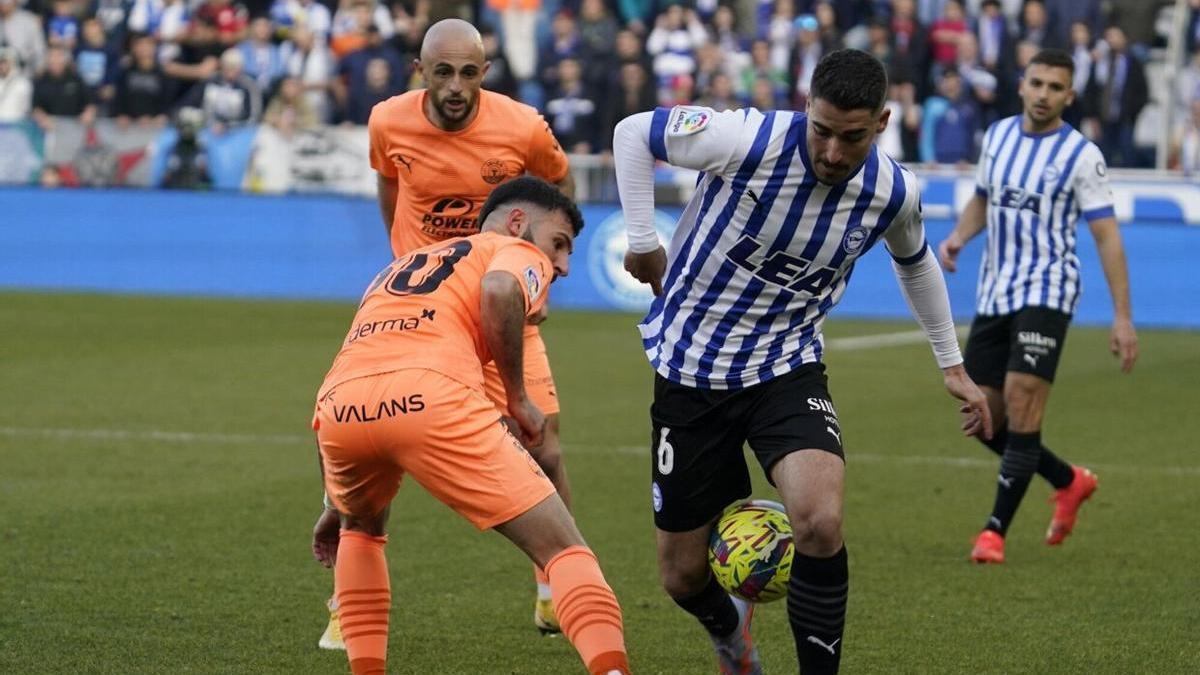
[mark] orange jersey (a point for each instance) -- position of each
(445, 176)
(422, 311)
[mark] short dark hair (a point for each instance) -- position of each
(532, 190)
(850, 79)
(1054, 58)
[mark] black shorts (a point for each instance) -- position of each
(1029, 340)
(696, 444)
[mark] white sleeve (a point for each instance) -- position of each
(921, 281)
(1092, 192)
(635, 180)
(981, 171)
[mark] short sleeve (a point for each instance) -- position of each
(905, 237)
(531, 269)
(703, 139)
(377, 132)
(981, 169)
(546, 157)
(1092, 191)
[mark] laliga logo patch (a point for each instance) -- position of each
(606, 262)
(656, 497)
(854, 240)
(689, 121)
(532, 282)
(1050, 173)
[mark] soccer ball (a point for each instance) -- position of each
(750, 551)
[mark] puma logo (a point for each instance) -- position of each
(1006, 482)
(1031, 359)
(827, 647)
(835, 434)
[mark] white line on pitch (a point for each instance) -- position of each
(907, 337)
(302, 439)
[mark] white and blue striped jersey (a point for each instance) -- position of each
(762, 251)
(1037, 186)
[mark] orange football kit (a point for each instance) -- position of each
(444, 177)
(405, 395)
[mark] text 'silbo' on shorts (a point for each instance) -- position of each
(698, 434)
(446, 435)
(1029, 340)
(539, 381)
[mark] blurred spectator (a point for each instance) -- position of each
(979, 83)
(827, 26)
(351, 25)
(346, 18)
(143, 89)
(263, 58)
(411, 18)
(114, 17)
(673, 42)
(1187, 89)
(60, 92)
(166, 20)
(995, 41)
(62, 30)
(1117, 95)
(910, 41)
(499, 77)
(879, 43)
(781, 32)
(1192, 29)
(228, 17)
(809, 50)
(727, 39)
(565, 43)
(1008, 99)
(352, 69)
(635, 92)
(375, 87)
(597, 32)
(571, 109)
(21, 31)
(764, 95)
(946, 33)
(197, 58)
(629, 50)
(950, 123)
(679, 90)
(636, 14)
(187, 164)
(1136, 19)
(287, 15)
(720, 94)
(909, 122)
(289, 111)
(309, 61)
(230, 97)
(16, 91)
(519, 24)
(761, 69)
(1063, 14)
(1081, 54)
(1189, 142)
(708, 65)
(99, 66)
(1035, 24)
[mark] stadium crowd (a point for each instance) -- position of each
(586, 64)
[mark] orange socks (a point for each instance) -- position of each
(364, 598)
(587, 609)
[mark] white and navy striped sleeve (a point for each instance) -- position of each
(703, 139)
(1091, 185)
(905, 237)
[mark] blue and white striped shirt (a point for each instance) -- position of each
(763, 250)
(1037, 187)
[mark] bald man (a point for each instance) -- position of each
(438, 153)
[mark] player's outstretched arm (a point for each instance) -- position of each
(970, 223)
(1123, 342)
(502, 313)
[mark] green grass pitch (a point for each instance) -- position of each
(158, 484)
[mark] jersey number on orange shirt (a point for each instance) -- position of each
(410, 266)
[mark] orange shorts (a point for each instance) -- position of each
(373, 430)
(539, 381)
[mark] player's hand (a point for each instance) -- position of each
(648, 268)
(1124, 343)
(326, 537)
(531, 421)
(948, 252)
(977, 417)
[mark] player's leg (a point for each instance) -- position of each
(797, 437)
(587, 608)
(514, 496)
(986, 360)
(697, 470)
(361, 484)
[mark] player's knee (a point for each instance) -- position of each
(817, 532)
(681, 577)
(1023, 399)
